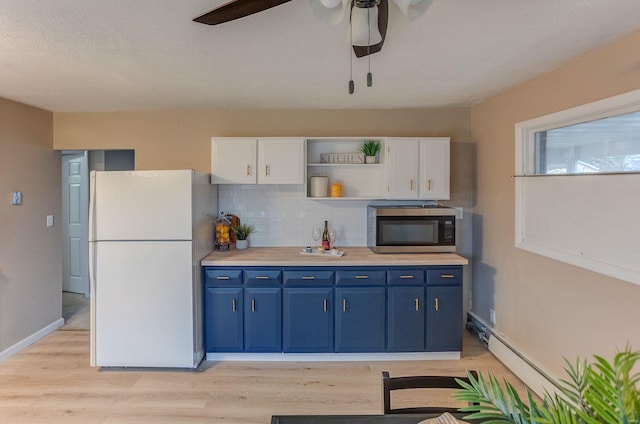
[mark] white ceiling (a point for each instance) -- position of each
(107, 55)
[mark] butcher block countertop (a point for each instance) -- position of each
(353, 256)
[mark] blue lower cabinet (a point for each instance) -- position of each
(262, 319)
(224, 317)
(360, 319)
(444, 319)
(307, 319)
(405, 319)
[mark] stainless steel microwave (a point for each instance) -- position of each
(411, 229)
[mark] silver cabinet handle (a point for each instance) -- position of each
(446, 275)
(406, 277)
(248, 169)
(344, 305)
(309, 277)
(325, 305)
(436, 304)
(233, 305)
(262, 277)
(223, 277)
(361, 277)
(253, 305)
(417, 304)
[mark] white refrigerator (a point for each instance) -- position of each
(148, 231)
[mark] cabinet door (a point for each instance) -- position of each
(233, 161)
(360, 319)
(308, 319)
(434, 169)
(405, 319)
(402, 168)
(223, 319)
(262, 319)
(281, 161)
(444, 318)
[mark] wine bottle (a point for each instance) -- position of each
(325, 237)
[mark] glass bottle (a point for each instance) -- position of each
(325, 237)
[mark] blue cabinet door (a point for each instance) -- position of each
(263, 319)
(360, 319)
(308, 319)
(444, 318)
(405, 319)
(224, 316)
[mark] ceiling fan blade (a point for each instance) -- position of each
(383, 20)
(237, 9)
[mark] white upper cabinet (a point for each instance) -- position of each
(435, 169)
(257, 160)
(418, 168)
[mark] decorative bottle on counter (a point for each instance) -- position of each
(325, 237)
(223, 229)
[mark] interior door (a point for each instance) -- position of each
(75, 226)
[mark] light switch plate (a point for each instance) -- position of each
(16, 198)
(49, 220)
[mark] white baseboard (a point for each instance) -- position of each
(532, 375)
(7, 353)
(331, 357)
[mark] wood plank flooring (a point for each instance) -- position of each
(52, 382)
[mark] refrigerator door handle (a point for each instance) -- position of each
(92, 279)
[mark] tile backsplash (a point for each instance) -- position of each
(283, 217)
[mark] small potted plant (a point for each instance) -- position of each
(242, 233)
(370, 150)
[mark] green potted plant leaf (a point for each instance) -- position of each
(599, 392)
(370, 149)
(242, 233)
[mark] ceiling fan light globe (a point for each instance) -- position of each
(329, 11)
(330, 4)
(364, 28)
(413, 9)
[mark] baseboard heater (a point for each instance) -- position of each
(531, 374)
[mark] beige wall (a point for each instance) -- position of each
(547, 309)
(30, 258)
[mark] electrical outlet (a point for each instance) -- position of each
(492, 316)
(459, 212)
(16, 198)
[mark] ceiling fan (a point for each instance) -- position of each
(367, 18)
(367, 37)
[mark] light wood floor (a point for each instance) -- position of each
(51, 382)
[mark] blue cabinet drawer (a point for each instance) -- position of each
(307, 277)
(444, 276)
(222, 276)
(262, 277)
(361, 277)
(405, 277)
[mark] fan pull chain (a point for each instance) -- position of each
(352, 87)
(369, 74)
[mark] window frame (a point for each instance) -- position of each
(525, 167)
